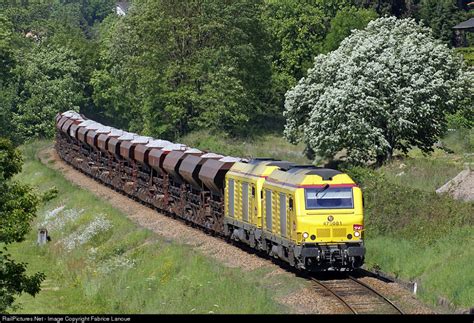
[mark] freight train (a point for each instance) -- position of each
(310, 217)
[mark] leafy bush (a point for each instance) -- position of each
(460, 120)
(49, 194)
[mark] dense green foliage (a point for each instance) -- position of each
(300, 30)
(346, 20)
(169, 68)
(50, 60)
(468, 54)
(440, 15)
(47, 83)
(17, 209)
(196, 64)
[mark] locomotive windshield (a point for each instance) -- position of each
(329, 198)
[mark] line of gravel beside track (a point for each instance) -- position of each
(306, 300)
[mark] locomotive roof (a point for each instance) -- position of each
(325, 173)
(253, 168)
(282, 164)
(308, 175)
(258, 160)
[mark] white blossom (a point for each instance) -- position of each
(87, 232)
(57, 219)
(117, 262)
(386, 87)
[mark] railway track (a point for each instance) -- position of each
(357, 297)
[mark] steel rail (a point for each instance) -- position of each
(334, 294)
(376, 293)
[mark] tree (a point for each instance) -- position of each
(441, 16)
(6, 49)
(298, 29)
(7, 62)
(398, 8)
(47, 84)
(165, 61)
(96, 10)
(17, 208)
(347, 19)
(386, 87)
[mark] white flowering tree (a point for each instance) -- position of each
(386, 87)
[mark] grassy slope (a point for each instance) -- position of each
(126, 269)
(437, 233)
(411, 231)
(269, 145)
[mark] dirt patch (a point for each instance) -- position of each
(307, 300)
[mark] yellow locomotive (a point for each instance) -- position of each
(308, 216)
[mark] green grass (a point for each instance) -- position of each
(127, 269)
(269, 145)
(443, 268)
(419, 235)
(423, 173)
(461, 142)
(429, 172)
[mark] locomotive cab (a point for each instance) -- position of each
(320, 211)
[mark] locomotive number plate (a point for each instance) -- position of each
(332, 223)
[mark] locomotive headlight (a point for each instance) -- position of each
(305, 235)
(357, 233)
